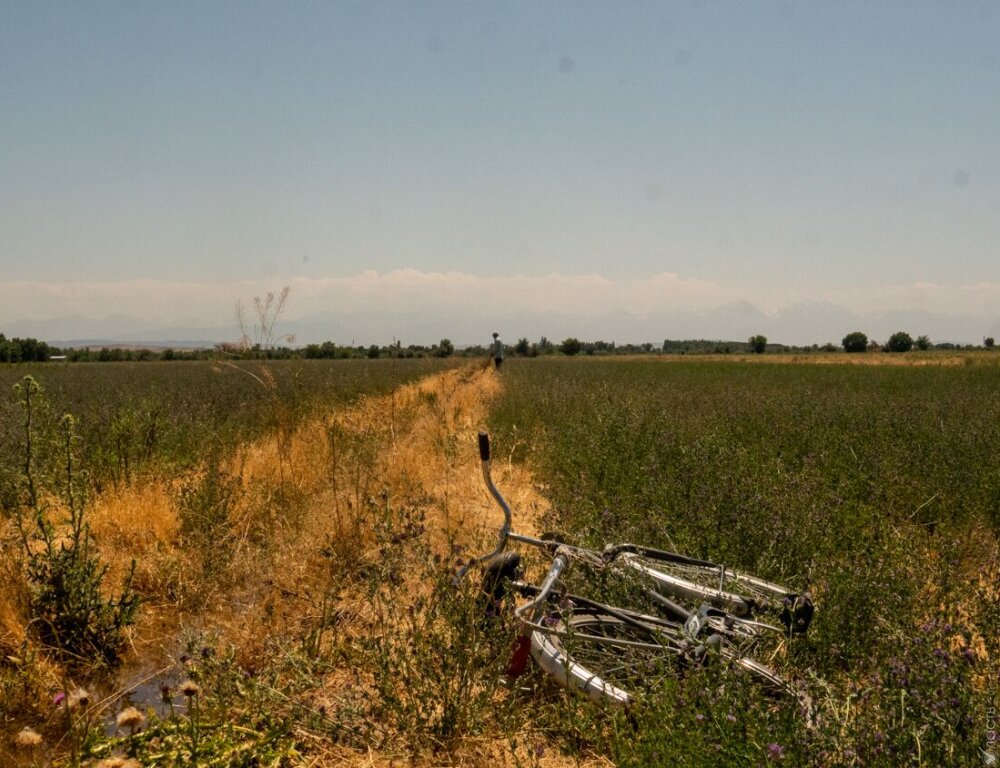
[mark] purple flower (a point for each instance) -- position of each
(59, 698)
(731, 717)
(775, 751)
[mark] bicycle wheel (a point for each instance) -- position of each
(609, 659)
(603, 656)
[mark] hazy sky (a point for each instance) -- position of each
(502, 161)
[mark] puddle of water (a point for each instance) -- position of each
(148, 684)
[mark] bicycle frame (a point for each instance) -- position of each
(796, 610)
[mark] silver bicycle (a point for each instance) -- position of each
(703, 611)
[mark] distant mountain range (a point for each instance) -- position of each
(801, 324)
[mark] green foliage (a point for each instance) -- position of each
(988, 342)
(855, 341)
(900, 341)
(219, 716)
(444, 348)
(923, 343)
(571, 346)
(758, 344)
(705, 719)
(68, 610)
(869, 486)
(24, 350)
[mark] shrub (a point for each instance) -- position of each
(65, 576)
(444, 348)
(855, 341)
(571, 346)
(758, 344)
(900, 341)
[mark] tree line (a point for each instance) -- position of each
(30, 350)
(25, 350)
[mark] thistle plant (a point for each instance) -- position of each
(68, 610)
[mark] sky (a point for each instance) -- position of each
(413, 171)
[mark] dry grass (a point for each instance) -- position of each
(140, 523)
(12, 630)
(415, 447)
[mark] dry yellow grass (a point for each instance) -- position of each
(12, 629)
(415, 447)
(138, 522)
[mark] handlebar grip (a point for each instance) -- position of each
(484, 446)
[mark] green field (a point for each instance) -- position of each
(877, 488)
(306, 587)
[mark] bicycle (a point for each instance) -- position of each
(608, 652)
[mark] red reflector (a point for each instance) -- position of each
(519, 659)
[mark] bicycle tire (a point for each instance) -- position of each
(602, 656)
(609, 659)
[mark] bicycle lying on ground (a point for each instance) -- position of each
(609, 652)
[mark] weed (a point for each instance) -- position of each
(65, 575)
(870, 487)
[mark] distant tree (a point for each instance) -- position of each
(988, 342)
(855, 342)
(444, 348)
(923, 342)
(26, 350)
(900, 341)
(545, 347)
(758, 344)
(373, 352)
(571, 346)
(604, 347)
(522, 348)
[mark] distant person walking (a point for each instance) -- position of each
(496, 351)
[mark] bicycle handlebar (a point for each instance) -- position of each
(484, 455)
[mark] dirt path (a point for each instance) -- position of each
(418, 444)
